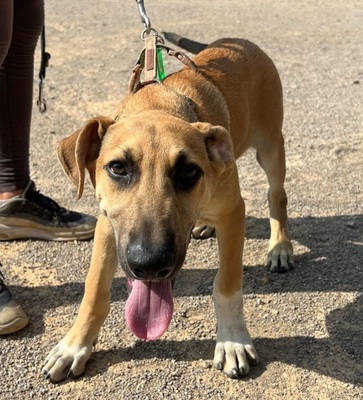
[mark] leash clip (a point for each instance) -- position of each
(151, 58)
(41, 102)
(44, 63)
(144, 18)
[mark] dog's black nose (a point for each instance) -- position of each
(150, 261)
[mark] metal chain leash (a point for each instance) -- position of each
(145, 20)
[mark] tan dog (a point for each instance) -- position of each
(164, 161)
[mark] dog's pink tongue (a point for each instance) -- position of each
(149, 308)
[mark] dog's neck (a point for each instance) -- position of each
(158, 96)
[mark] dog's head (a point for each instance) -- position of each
(154, 176)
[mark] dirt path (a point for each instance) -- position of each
(308, 324)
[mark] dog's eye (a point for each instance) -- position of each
(191, 172)
(117, 168)
(187, 176)
(123, 170)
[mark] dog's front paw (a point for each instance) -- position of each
(233, 358)
(234, 349)
(65, 360)
(280, 256)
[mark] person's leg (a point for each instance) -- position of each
(6, 27)
(16, 93)
(24, 212)
(12, 316)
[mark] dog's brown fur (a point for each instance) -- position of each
(171, 149)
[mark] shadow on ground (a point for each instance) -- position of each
(332, 264)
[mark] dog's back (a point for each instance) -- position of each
(249, 83)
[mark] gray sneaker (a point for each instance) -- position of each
(12, 316)
(32, 215)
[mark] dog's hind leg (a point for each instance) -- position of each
(203, 231)
(271, 157)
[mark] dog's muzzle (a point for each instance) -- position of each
(151, 266)
(151, 261)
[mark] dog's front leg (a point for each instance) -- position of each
(70, 355)
(234, 348)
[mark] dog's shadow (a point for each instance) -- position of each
(184, 350)
(331, 264)
(319, 355)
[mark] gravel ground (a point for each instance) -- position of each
(307, 324)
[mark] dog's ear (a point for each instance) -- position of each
(80, 151)
(218, 142)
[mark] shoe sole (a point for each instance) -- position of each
(13, 326)
(15, 232)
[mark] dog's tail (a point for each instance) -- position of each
(184, 43)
